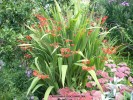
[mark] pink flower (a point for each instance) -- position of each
(64, 91)
(130, 79)
(89, 85)
(97, 95)
(102, 80)
(120, 74)
(119, 96)
(99, 72)
(125, 88)
(111, 79)
(87, 96)
(74, 94)
(123, 69)
(102, 73)
(105, 87)
(110, 65)
(93, 83)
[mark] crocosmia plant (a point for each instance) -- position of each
(69, 47)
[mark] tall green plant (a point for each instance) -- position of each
(67, 47)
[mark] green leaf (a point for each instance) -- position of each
(93, 74)
(60, 65)
(48, 92)
(80, 53)
(79, 64)
(39, 85)
(64, 70)
(44, 36)
(25, 45)
(34, 82)
(37, 64)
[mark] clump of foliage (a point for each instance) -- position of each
(13, 83)
(120, 15)
(68, 44)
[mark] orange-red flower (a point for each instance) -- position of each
(68, 40)
(44, 76)
(27, 56)
(104, 19)
(111, 50)
(35, 73)
(21, 41)
(105, 41)
(43, 20)
(72, 45)
(86, 62)
(90, 31)
(41, 76)
(65, 52)
(55, 45)
(59, 28)
(88, 68)
(26, 48)
(28, 37)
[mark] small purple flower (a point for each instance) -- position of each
(28, 72)
(125, 3)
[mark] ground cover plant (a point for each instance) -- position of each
(68, 45)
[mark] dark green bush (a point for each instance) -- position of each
(13, 84)
(122, 17)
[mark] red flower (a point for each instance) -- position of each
(26, 48)
(86, 62)
(105, 41)
(35, 73)
(109, 50)
(43, 20)
(27, 56)
(59, 28)
(72, 44)
(90, 31)
(104, 19)
(67, 40)
(28, 37)
(55, 45)
(88, 68)
(65, 52)
(44, 76)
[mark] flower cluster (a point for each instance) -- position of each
(111, 50)
(67, 92)
(43, 20)
(67, 52)
(120, 71)
(41, 76)
(125, 3)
